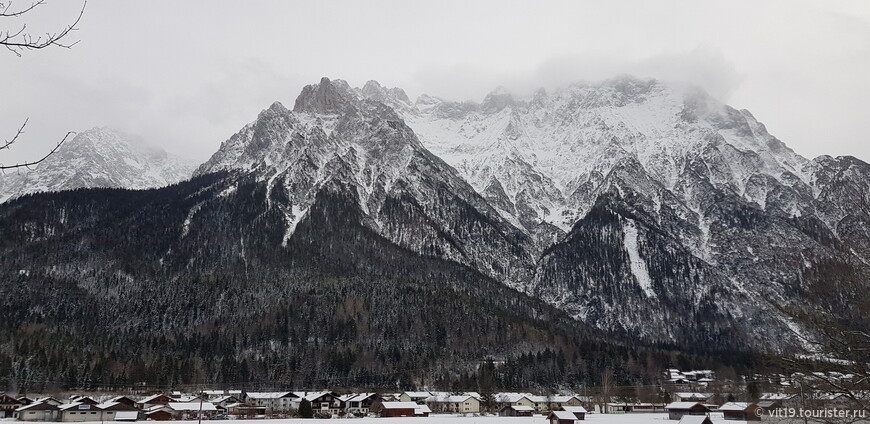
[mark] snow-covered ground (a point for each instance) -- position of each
(454, 419)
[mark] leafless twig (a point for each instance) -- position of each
(21, 40)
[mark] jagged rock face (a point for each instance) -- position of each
(99, 157)
(333, 138)
(731, 217)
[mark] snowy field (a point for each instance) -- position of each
(454, 419)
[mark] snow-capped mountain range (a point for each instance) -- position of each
(641, 208)
(99, 157)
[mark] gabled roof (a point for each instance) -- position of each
(694, 419)
(682, 405)
(511, 397)
(152, 397)
(271, 395)
(735, 406)
(575, 409)
(399, 405)
(6, 399)
(523, 408)
(224, 398)
(74, 405)
(417, 394)
(422, 409)
(38, 406)
(356, 397)
(563, 415)
(191, 406)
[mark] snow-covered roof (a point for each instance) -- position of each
(399, 405)
(191, 406)
(575, 409)
(313, 395)
(693, 395)
(38, 406)
(734, 406)
(564, 415)
(693, 419)
(511, 397)
(522, 408)
(422, 409)
(269, 395)
(418, 394)
(222, 399)
(150, 398)
(73, 405)
(107, 404)
(681, 405)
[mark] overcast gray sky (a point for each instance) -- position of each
(185, 75)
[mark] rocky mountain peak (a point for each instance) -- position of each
(497, 100)
(327, 97)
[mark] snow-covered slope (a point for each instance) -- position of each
(99, 157)
(335, 141)
(658, 209)
(547, 152)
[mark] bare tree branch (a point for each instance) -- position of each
(21, 40)
(36, 162)
(7, 13)
(8, 143)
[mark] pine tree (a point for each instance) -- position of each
(305, 409)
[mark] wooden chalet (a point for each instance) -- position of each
(517, 411)
(8, 405)
(561, 417)
(742, 411)
(677, 410)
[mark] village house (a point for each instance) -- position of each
(154, 400)
(359, 403)
(742, 411)
(517, 411)
(125, 400)
(37, 411)
(323, 402)
(561, 417)
(692, 397)
(403, 409)
(114, 410)
(220, 402)
(578, 411)
(514, 399)
(677, 410)
(274, 402)
(416, 397)
(633, 408)
(79, 411)
(8, 405)
(191, 410)
(445, 402)
(158, 413)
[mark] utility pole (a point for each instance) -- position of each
(199, 416)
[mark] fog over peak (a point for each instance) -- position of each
(186, 76)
